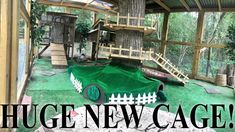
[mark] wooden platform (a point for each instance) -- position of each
(58, 57)
(144, 29)
(128, 26)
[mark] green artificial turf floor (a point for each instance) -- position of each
(58, 89)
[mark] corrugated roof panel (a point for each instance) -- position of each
(173, 3)
(227, 3)
(209, 3)
(191, 3)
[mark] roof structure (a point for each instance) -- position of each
(152, 6)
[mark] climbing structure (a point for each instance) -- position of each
(145, 55)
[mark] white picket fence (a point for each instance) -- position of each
(140, 99)
(76, 83)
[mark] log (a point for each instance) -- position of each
(231, 81)
(229, 72)
(221, 70)
(221, 80)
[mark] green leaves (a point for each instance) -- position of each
(231, 42)
(37, 31)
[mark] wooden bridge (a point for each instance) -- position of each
(144, 55)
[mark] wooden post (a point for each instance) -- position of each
(94, 17)
(141, 50)
(8, 52)
(110, 49)
(139, 20)
(128, 19)
(14, 51)
(130, 51)
(164, 33)
(118, 18)
(199, 35)
(150, 50)
(5, 42)
(152, 22)
(120, 49)
(97, 43)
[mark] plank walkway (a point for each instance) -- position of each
(58, 57)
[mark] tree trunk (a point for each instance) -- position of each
(132, 38)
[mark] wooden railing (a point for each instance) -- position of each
(128, 18)
(129, 53)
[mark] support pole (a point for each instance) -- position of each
(5, 42)
(94, 17)
(198, 39)
(9, 12)
(164, 33)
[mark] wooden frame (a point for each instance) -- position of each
(8, 52)
(199, 35)
(183, 2)
(198, 4)
(25, 14)
(117, 52)
(159, 2)
(202, 45)
(79, 6)
(164, 33)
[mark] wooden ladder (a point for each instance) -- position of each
(169, 67)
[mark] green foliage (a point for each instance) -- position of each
(83, 26)
(231, 43)
(36, 31)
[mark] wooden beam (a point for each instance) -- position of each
(89, 2)
(194, 10)
(78, 6)
(220, 46)
(198, 4)
(198, 39)
(24, 13)
(164, 33)
(183, 2)
(8, 53)
(219, 5)
(27, 38)
(159, 2)
(14, 51)
(5, 42)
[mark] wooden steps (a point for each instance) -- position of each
(58, 57)
(170, 68)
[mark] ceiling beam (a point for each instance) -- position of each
(159, 2)
(183, 2)
(77, 5)
(198, 4)
(219, 5)
(89, 3)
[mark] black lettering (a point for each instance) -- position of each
(133, 113)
